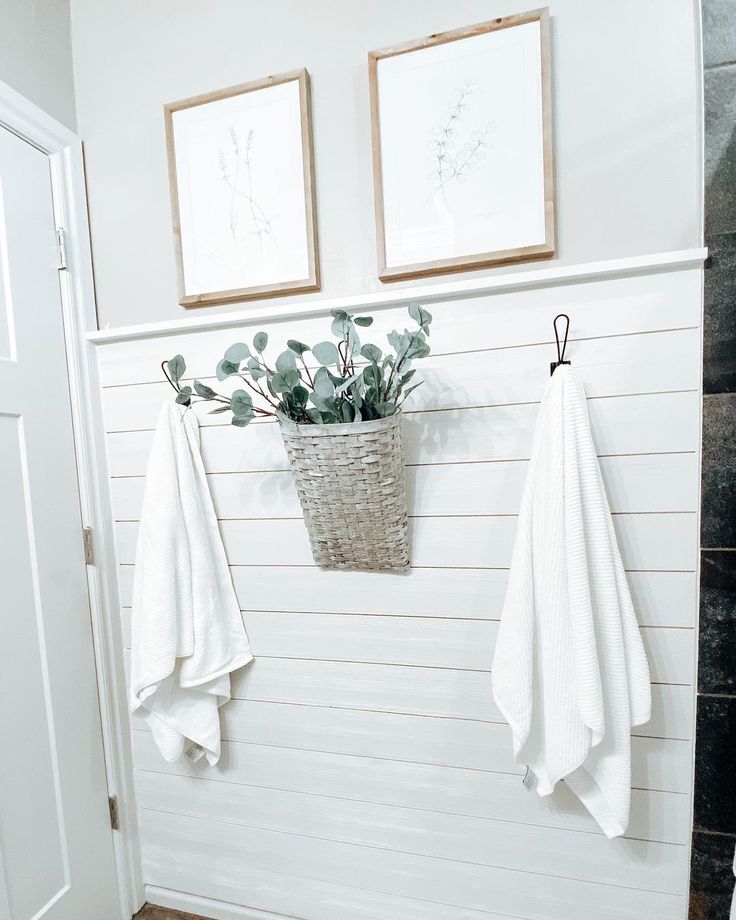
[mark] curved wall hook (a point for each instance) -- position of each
(560, 351)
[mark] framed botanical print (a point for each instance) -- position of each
(462, 148)
(242, 191)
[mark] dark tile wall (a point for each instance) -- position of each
(718, 495)
(714, 830)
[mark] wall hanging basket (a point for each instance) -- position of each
(350, 482)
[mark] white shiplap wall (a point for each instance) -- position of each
(366, 774)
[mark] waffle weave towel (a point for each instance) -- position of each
(569, 673)
(187, 630)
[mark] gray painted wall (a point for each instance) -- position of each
(36, 54)
(626, 87)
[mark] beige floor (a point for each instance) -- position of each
(151, 912)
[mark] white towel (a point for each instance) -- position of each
(569, 673)
(187, 632)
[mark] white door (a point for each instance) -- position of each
(56, 854)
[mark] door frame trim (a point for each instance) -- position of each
(64, 150)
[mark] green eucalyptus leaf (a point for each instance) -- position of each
(372, 353)
(240, 421)
(320, 402)
(417, 346)
(363, 320)
(277, 384)
(184, 399)
(420, 316)
(260, 340)
(335, 378)
(406, 393)
(371, 396)
(323, 385)
(241, 403)
(225, 369)
(340, 324)
(297, 347)
(219, 410)
(176, 367)
(385, 409)
(346, 384)
(326, 353)
(398, 342)
(300, 396)
(372, 376)
(284, 381)
(286, 361)
(255, 369)
(237, 353)
(203, 390)
(346, 409)
(315, 415)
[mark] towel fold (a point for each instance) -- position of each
(187, 629)
(569, 674)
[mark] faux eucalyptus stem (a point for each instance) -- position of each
(336, 392)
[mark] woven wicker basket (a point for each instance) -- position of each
(350, 482)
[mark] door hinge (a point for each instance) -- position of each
(61, 248)
(89, 546)
(112, 801)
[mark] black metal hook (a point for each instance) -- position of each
(560, 351)
(166, 375)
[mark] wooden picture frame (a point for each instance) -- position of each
(194, 159)
(542, 243)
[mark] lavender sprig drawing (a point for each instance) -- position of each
(452, 157)
(236, 169)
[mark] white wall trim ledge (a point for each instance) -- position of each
(426, 293)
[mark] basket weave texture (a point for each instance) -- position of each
(350, 482)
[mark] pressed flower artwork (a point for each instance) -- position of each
(462, 148)
(240, 163)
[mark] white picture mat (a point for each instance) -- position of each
(497, 203)
(242, 225)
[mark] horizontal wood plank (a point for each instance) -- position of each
(658, 816)
(648, 483)
(659, 423)
(462, 838)
(420, 641)
(659, 542)
(280, 896)
(660, 598)
(437, 692)
(226, 847)
(619, 366)
(657, 763)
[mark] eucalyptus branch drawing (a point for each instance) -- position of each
(236, 169)
(453, 161)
